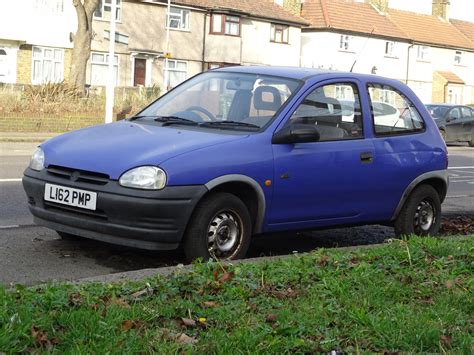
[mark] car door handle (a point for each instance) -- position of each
(366, 157)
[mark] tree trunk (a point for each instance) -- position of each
(82, 42)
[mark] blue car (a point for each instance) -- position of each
(241, 151)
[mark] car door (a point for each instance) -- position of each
(467, 123)
(453, 124)
(323, 182)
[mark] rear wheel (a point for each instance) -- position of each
(220, 228)
(67, 236)
(421, 214)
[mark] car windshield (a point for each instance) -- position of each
(437, 111)
(222, 100)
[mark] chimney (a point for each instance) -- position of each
(441, 9)
(380, 5)
(293, 6)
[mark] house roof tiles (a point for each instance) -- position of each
(347, 15)
(265, 9)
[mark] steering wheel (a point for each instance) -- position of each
(202, 110)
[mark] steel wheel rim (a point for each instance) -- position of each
(224, 234)
(425, 216)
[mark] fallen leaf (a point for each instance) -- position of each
(187, 322)
(131, 324)
(323, 261)
(449, 284)
(139, 293)
(446, 340)
(185, 339)
(75, 299)
(40, 337)
(202, 320)
(210, 304)
(227, 276)
(271, 318)
(119, 302)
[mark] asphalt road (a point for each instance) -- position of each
(31, 254)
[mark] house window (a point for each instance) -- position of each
(390, 49)
(458, 58)
(224, 24)
(3, 64)
(104, 8)
(100, 69)
(279, 33)
(49, 6)
(423, 53)
(179, 18)
(345, 42)
(48, 65)
(177, 71)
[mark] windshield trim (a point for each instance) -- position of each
(237, 129)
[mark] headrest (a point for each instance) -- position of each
(273, 104)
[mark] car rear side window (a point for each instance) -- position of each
(392, 112)
(335, 111)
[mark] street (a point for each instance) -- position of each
(30, 254)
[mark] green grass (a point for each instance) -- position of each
(414, 296)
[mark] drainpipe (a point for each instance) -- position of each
(408, 61)
(204, 43)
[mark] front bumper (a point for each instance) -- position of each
(153, 220)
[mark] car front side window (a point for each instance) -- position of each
(334, 110)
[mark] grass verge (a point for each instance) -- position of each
(414, 296)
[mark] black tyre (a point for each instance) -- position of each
(421, 214)
(67, 236)
(220, 228)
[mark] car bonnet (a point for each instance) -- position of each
(115, 148)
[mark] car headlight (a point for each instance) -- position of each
(37, 160)
(144, 177)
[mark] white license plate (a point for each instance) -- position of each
(71, 197)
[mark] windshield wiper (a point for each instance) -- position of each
(168, 120)
(229, 124)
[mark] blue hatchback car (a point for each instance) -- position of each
(241, 151)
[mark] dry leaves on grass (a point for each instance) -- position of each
(446, 340)
(181, 338)
(210, 304)
(41, 338)
(131, 324)
(458, 225)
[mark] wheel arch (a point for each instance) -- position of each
(438, 179)
(248, 190)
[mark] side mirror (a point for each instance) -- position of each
(296, 133)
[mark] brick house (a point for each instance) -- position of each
(434, 55)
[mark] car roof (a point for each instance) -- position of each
(293, 72)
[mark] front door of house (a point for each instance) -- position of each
(140, 72)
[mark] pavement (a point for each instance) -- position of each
(30, 254)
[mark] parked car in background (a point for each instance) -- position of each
(455, 122)
(241, 151)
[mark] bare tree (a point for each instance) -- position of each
(82, 41)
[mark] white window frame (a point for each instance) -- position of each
(458, 55)
(345, 43)
(423, 53)
(42, 59)
(103, 63)
(174, 69)
(55, 7)
(108, 3)
(390, 49)
(183, 18)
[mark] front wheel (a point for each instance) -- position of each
(421, 214)
(220, 229)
